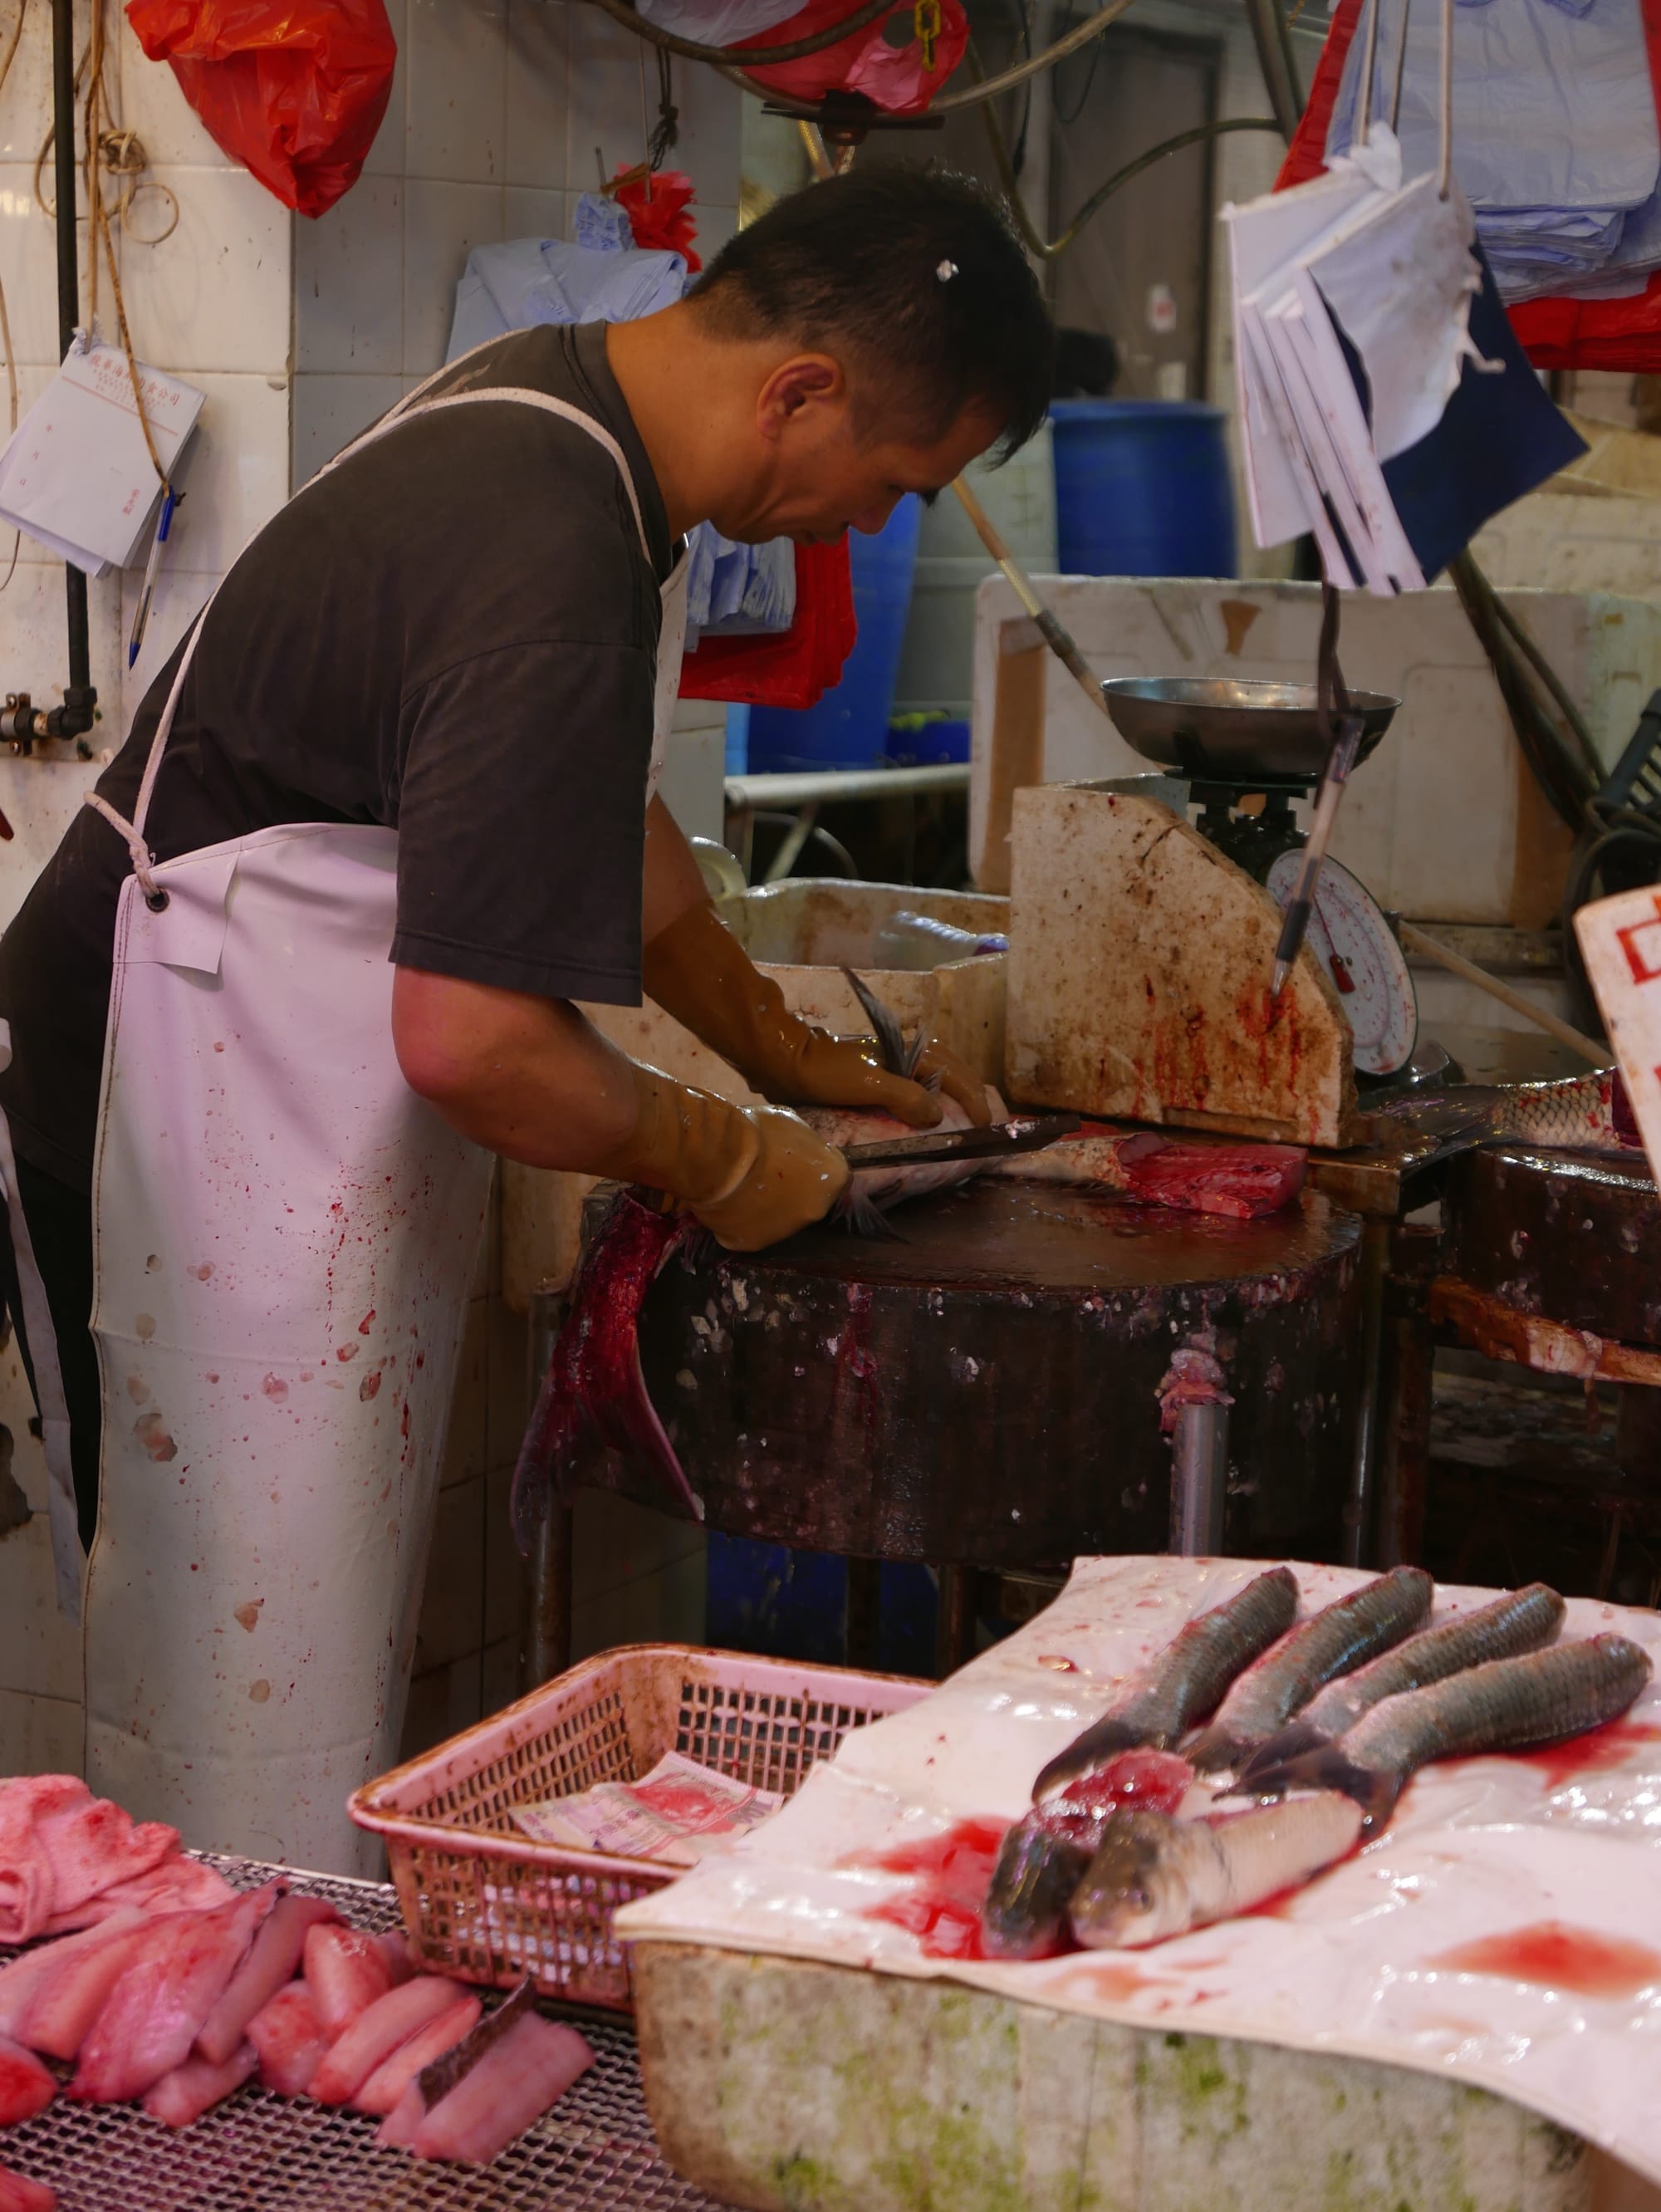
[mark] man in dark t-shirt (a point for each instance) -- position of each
(453, 633)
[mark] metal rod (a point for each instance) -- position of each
(545, 1635)
(1359, 1506)
(68, 286)
(1432, 948)
(784, 791)
(1199, 1480)
(1058, 640)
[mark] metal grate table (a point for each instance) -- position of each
(594, 2152)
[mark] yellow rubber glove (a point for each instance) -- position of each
(751, 1174)
(697, 970)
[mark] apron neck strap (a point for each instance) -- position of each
(414, 404)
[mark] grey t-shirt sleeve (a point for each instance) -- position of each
(522, 819)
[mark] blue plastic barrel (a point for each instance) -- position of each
(1142, 489)
(849, 727)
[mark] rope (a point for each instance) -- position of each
(143, 858)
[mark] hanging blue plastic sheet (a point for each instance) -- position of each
(1555, 135)
(603, 277)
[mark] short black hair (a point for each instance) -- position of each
(917, 273)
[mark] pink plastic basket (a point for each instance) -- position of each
(486, 1903)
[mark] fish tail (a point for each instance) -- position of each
(1217, 1748)
(1327, 1768)
(1295, 1740)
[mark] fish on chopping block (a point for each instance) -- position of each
(1154, 1876)
(1237, 1181)
(1505, 1704)
(594, 1393)
(1523, 1621)
(1182, 1683)
(1043, 1857)
(1331, 1642)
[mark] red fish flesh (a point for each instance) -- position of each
(161, 2000)
(176, 1885)
(272, 1962)
(26, 1875)
(345, 1970)
(1239, 1181)
(60, 2016)
(197, 2085)
(384, 2088)
(19, 2194)
(21, 1977)
(26, 2086)
(376, 2035)
(518, 2077)
(594, 1393)
(290, 2040)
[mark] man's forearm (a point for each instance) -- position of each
(526, 1076)
(671, 883)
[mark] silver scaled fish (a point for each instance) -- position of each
(1507, 1705)
(1522, 1620)
(1154, 1877)
(1340, 1635)
(1184, 1682)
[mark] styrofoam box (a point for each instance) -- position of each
(1444, 821)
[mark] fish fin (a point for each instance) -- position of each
(1327, 1768)
(1216, 1748)
(863, 1216)
(890, 1038)
(1099, 1743)
(1293, 1741)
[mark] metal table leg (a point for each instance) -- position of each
(1199, 1480)
(545, 1630)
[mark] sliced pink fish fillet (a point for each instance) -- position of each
(345, 1970)
(401, 1958)
(26, 2085)
(26, 1873)
(386, 2085)
(96, 1847)
(21, 1977)
(59, 2017)
(375, 2034)
(163, 1997)
(197, 2086)
(19, 2194)
(518, 2078)
(175, 1885)
(290, 2040)
(273, 1961)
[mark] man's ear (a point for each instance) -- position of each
(806, 379)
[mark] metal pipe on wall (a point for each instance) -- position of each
(69, 294)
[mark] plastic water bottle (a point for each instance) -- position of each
(917, 941)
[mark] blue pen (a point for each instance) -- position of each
(150, 567)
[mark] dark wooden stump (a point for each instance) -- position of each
(984, 1389)
(1574, 1239)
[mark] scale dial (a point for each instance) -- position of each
(1350, 938)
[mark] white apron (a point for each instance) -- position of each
(285, 1241)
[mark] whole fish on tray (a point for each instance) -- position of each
(1182, 1683)
(1505, 1704)
(1153, 1876)
(1341, 1636)
(1521, 1621)
(1044, 1857)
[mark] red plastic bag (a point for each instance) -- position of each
(1611, 334)
(659, 217)
(296, 93)
(893, 77)
(794, 668)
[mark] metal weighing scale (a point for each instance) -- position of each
(1233, 741)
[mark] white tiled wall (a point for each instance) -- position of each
(497, 112)
(300, 333)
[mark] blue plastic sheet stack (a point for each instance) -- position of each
(1555, 137)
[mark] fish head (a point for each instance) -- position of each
(1134, 1890)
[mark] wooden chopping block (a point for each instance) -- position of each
(787, 2087)
(1139, 965)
